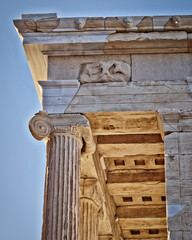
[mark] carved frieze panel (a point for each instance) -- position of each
(101, 71)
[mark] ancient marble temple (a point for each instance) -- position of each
(116, 116)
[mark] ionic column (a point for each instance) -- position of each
(64, 135)
(90, 207)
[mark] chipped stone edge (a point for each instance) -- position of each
(28, 23)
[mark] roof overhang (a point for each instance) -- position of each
(46, 35)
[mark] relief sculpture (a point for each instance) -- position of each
(111, 71)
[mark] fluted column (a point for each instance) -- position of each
(89, 220)
(64, 135)
(91, 202)
(62, 201)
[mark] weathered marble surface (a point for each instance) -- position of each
(45, 35)
(111, 71)
(158, 67)
(114, 96)
(178, 145)
(91, 208)
(52, 89)
(71, 67)
(126, 23)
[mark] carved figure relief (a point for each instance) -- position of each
(174, 21)
(111, 71)
(80, 23)
(127, 21)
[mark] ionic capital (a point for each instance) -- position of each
(43, 125)
(89, 189)
(169, 115)
(170, 119)
(175, 120)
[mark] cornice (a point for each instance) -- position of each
(50, 23)
(52, 36)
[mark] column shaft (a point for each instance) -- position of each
(61, 209)
(89, 220)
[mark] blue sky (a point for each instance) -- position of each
(22, 162)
